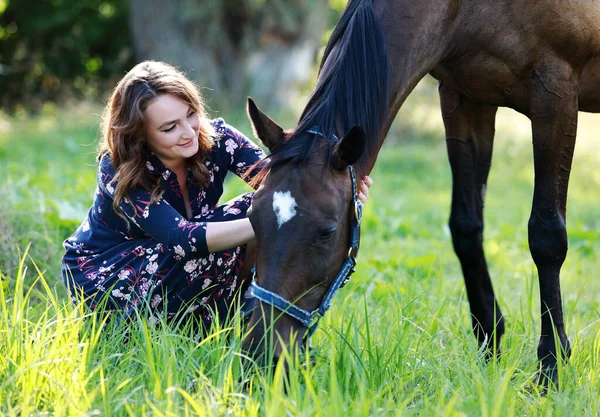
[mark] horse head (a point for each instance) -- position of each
(305, 219)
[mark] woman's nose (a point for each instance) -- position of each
(189, 130)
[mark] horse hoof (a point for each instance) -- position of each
(545, 379)
(491, 354)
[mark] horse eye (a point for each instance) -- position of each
(327, 234)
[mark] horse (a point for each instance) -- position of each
(539, 58)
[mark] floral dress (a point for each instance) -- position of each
(159, 258)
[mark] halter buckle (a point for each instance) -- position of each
(358, 211)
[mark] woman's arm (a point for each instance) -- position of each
(167, 226)
(229, 234)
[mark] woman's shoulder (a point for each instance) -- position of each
(105, 163)
(105, 175)
(219, 127)
(224, 130)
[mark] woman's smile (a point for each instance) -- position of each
(187, 144)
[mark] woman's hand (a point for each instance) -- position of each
(363, 191)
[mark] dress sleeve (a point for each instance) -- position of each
(159, 220)
(243, 153)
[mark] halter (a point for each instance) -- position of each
(310, 319)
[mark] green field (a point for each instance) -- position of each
(397, 340)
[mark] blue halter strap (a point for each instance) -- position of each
(310, 319)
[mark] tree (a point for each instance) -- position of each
(234, 47)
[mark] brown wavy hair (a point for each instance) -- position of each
(124, 127)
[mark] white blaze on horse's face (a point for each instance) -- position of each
(284, 206)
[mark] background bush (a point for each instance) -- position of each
(53, 49)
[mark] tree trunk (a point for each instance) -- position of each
(263, 48)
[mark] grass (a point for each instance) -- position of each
(397, 340)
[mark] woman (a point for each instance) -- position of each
(154, 235)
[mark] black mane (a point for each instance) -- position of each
(352, 87)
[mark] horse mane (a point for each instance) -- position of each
(352, 86)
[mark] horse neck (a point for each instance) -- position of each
(414, 47)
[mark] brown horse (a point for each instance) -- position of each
(541, 58)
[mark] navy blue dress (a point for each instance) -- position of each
(160, 259)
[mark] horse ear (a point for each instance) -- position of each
(264, 127)
(348, 150)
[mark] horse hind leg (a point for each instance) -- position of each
(470, 129)
(554, 106)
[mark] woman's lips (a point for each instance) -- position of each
(188, 143)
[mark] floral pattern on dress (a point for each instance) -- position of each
(159, 258)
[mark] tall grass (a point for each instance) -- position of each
(396, 342)
(386, 355)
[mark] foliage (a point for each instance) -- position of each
(53, 50)
(51, 47)
(397, 340)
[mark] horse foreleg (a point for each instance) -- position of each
(470, 131)
(554, 106)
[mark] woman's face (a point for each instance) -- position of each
(172, 129)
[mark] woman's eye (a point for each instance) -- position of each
(192, 113)
(169, 129)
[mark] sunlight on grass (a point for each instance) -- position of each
(397, 341)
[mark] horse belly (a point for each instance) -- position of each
(488, 80)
